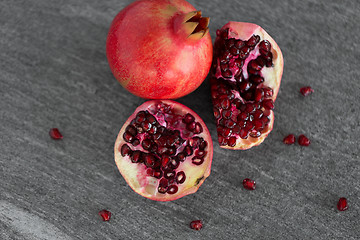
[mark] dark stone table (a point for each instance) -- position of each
(54, 73)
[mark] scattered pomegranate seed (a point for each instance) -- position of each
(342, 204)
(303, 140)
(105, 214)
(289, 139)
(196, 225)
(306, 90)
(249, 184)
(55, 134)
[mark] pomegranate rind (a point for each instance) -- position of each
(135, 174)
(151, 59)
(272, 75)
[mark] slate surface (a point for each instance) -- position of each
(54, 73)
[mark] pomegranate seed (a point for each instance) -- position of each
(55, 134)
(249, 184)
(244, 133)
(264, 47)
(188, 150)
(227, 114)
(305, 91)
(198, 128)
(164, 160)
(172, 189)
(157, 173)
(259, 95)
(256, 79)
(289, 139)
(203, 145)
(342, 204)
(268, 92)
(268, 104)
(125, 150)
(217, 113)
(131, 129)
(196, 225)
(136, 156)
(199, 161)
(180, 177)
(234, 50)
(239, 44)
(105, 214)
(303, 140)
(128, 137)
(232, 141)
(188, 118)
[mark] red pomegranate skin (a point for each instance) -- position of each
(149, 53)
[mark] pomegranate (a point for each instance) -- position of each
(247, 70)
(164, 150)
(159, 49)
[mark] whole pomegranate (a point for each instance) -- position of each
(164, 150)
(159, 49)
(247, 70)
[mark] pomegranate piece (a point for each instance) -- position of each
(174, 151)
(305, 91)
(289, 139)
(303, 140)
(196, 225)
(246, 75)
(105, 215)
(159, 49)
(249, 184)
(55, 134)
(342, 204)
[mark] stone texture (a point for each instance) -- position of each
(54, 73)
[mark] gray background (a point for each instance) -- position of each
(54, 73)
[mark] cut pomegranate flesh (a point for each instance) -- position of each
(289, 139)
(196, 225)
(164, 150)
(303, 141)
(105, 215)
(55, 134)
(305, 91)
(249, 184)
(247, 70)
(342, 204)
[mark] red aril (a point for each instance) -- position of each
(247, 70)
(342, 204)
(249, 184)
(159, 49)
(196, 225)
(289, 139)
(164, 150)
(305, 91)
(105, 215)
(55, 134)
(303, 140)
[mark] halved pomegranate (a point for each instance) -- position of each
(247, 70)
(164, 150)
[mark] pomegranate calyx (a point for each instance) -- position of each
(193, 25)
